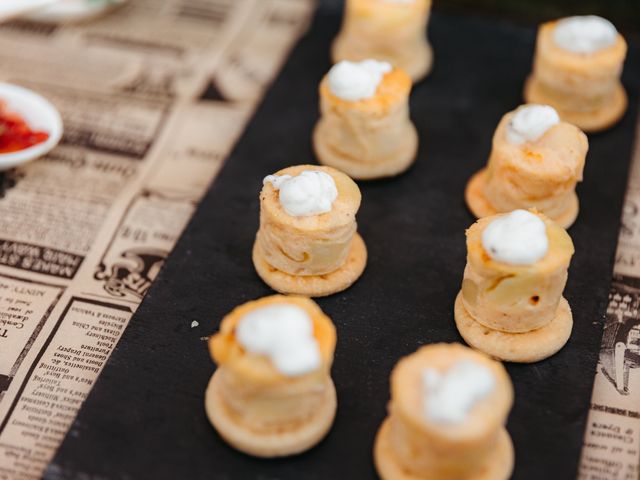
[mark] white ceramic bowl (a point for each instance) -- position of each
(39, 115)
(72, 11)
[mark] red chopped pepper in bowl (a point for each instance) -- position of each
(16, 134)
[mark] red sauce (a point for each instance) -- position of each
(15, 134)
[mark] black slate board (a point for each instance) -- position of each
(145, 417)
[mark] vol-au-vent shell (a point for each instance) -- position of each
(558, 255)
(584, 87)
(308, 245)
(483, 421)
(394, 32)
(411, 443)
(539, 168)
(254, 406)
(369, 138)
(343, 209)
(226, 350)
(539, 172)
(590, 71)
(515, 298)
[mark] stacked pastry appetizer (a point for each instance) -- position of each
(448, 408)
(576, 69)
(307, 243)
(272, 394)
(536, 162)
(511, 305)
(365, 129)
(389, 30)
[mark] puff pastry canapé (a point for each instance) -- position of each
(583, 86)
(254, 406)
(315, 255)
(515, 312)
(413, 445)
(386, 30)
(371, 137)
(540, 173)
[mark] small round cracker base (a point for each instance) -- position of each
(498, 467)
(526, 347)
(269, 444)
(314, 285)
(480, 207)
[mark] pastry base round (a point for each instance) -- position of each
(420, 66)
(276, 443)
(499, 465)
(590, 122)
(526, 347)
(480, 206)
(314, 285)
(366, 171)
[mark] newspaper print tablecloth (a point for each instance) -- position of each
(611, 448)
(153, 97)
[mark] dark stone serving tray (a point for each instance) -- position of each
(145, 416)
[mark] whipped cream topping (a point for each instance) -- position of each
(449, 396)
(284, 333)
(586, 34)
(517, 238)
(355, 81)
(530, 122)
(312, 192)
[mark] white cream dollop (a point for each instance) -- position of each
(530, 122)
(284, 333)
(312, 192)
(584, 34)
(355, 81)
(449, 396)
(518, 238)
